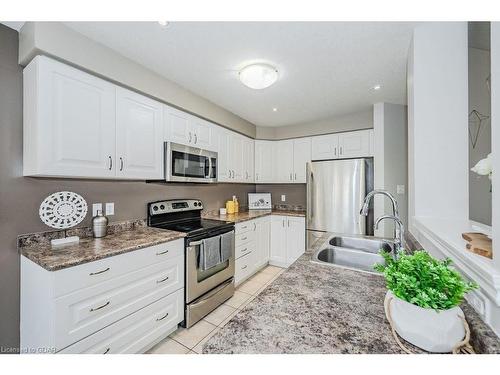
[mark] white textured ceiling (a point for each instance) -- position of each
(326, 68)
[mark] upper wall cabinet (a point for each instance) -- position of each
(301, 156)
(139, 136)
(69, 122)
(181, 127)
(78, 125)
(235, 157)
(343, 145)
(264, 161)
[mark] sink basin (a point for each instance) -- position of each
(360, 253)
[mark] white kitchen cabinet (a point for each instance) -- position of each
(69, 122)
(81, 308)
(301, 156)
(264, 161)
(224, 161)
(236, 154)
(325, 147)
(186, 129)
(355, 144)
(283, 161)
(262, 242)
(139, 136)
(248, 160)
(287, 240)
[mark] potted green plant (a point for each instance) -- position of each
(423, 298)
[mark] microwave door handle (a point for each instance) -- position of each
(209, 167)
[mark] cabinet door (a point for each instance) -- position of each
(278, 253)
(263, 241)
(295, 238)
(248, 160)
(301, 156)
(69, 122)
(264, 161)
(139, 136)
(355, 144)
(201, 134)
(283, 161)
(177, 127)
(223, 156)
(325, 147)
(237, 157)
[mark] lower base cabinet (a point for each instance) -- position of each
(287, 240)
(275, 240)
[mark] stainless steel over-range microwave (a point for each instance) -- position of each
(189, 164)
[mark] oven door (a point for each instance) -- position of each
(199, 282)
(189, 164)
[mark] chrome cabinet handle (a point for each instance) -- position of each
(99, 272)
(290, 176)
(245, 249)
(195, 138)
(100, 307)
(107, 351)
(244, 238)
(340, 150)
(244, 267)
(162, 280)
(163, 317)
(283, 223)
(244, 227)
(254, 226)
(162, 252)
(295, 176)
(110, 162)
(257, 176)
(229, 172)
(121, 163)
(190, 137)
(335, 151)
(288, 223)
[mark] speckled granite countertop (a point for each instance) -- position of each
(312, 308)
(251, 214)
(90, 249)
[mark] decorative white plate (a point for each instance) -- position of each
(63, 210)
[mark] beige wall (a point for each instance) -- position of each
(353, 121)
(295, 194)
(59, 41)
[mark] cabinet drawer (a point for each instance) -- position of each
(88, 310)
(92, 273)
(244, 249)
(135, 332)
(243, 267)
(244, 238)
(244, 227)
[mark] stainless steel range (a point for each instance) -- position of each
(209, 258)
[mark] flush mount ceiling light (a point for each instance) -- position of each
(258, 76)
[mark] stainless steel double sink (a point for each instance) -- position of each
(356, 252)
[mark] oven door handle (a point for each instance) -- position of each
(195, 243)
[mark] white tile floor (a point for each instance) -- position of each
(191, 341)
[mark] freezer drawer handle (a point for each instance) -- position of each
(162, 252)
(99, 272)
(100, 307)
(163, 317)
(161, 281)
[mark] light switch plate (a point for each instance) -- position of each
(110, 208)
(283, 197)
(96, 207)
(400, 189)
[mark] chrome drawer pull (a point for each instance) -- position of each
(245, 227)
(100, 307)
(244, 267)
(161, 281)
(163, 317)
(244, 238)
(163, 252)
(107, 351)
(99, 272)
(245, 249)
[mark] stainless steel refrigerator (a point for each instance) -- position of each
(335, 193)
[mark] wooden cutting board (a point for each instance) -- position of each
(478, 243)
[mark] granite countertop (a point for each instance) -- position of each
(251, 214)
(90, 249)
(313, 308)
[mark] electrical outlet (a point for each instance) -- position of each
(96, 207)
(283, 197)
(110, 209)
(400, 189)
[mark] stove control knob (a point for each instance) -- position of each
(195, 204)
(162, 207)
(155, 208)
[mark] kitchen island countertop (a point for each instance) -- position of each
(314, 308)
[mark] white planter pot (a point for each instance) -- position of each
(433, 331)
